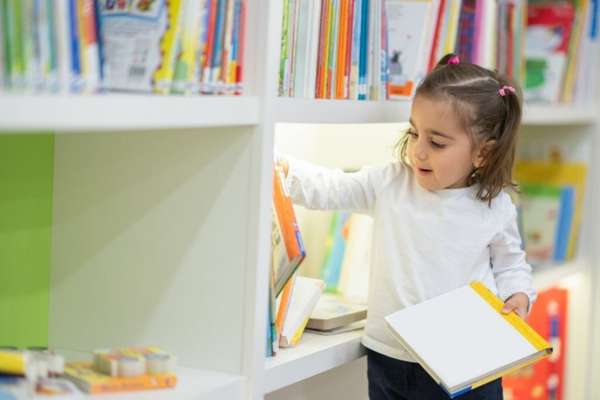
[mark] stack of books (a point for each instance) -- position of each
(84, 46)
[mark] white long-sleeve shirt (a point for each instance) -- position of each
(425, 243)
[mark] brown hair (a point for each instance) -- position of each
(488, 116)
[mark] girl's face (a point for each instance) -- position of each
(439, 150)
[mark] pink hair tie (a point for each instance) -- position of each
(503, 90)
(453, 60)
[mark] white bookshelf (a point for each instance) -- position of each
(323, 111)
(161, 221)
(313, 355)
(110, 112)
(545, 276)
(539, 114)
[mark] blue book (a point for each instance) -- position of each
(218, 43)
(76, 84)
(336, 247)
(364, 52)
(565, 223)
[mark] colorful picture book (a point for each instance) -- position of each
(547, 39)
(407, 44)
(287, 246)
(544, 380)
(87, 379)
(547, 219)
(551, 207)
(482, 345)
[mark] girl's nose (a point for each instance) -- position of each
(421, 154)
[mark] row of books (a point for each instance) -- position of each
(561, 41)
(291, 298)
(84, 46)
(550, 205)
(296, 302)
(375, 49)
(333, 49)
(27, 373)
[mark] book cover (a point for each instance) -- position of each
(188, 48)
(407, 30)
(547, 39)
(356, 265)
(288, 248)
(482, 345)
(335, 246)
(560, 174)
(90, 381)
(546, 379)
(139, 39)
(540, 207)
(334, 311)
(305, 294)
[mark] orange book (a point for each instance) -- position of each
(342, 48)
(284, 303)
(287, 245)
(90, 381)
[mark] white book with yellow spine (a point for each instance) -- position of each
(462, 339)
(305, 294)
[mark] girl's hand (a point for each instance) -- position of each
(284, 165)
(282, 162)
(518, 302)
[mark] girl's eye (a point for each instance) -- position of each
(412, 134)
(438, 145)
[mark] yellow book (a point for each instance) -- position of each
(581, 13)
(557, 174)
(163, 76)
(450, 45)
(462, 339)
(88, 380)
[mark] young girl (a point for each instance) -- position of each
(442, 217)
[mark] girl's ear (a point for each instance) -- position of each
(481, 152)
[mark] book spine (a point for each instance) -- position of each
(163, 76)
(209, 47)
(364, 51)
(239, 82)
(76, 76)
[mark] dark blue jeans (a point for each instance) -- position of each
(391, 379)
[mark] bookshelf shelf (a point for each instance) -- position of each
(313, 355)
(321, 111)
(545, 276)
(193, 384)
(559, 115)
(70, 113)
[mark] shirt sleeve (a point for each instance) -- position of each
(320, 188)
(511, 271)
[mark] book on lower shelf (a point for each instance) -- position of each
(90, 381)
(462, 339)
(333, 312)
(550, 208)
(304, 297)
